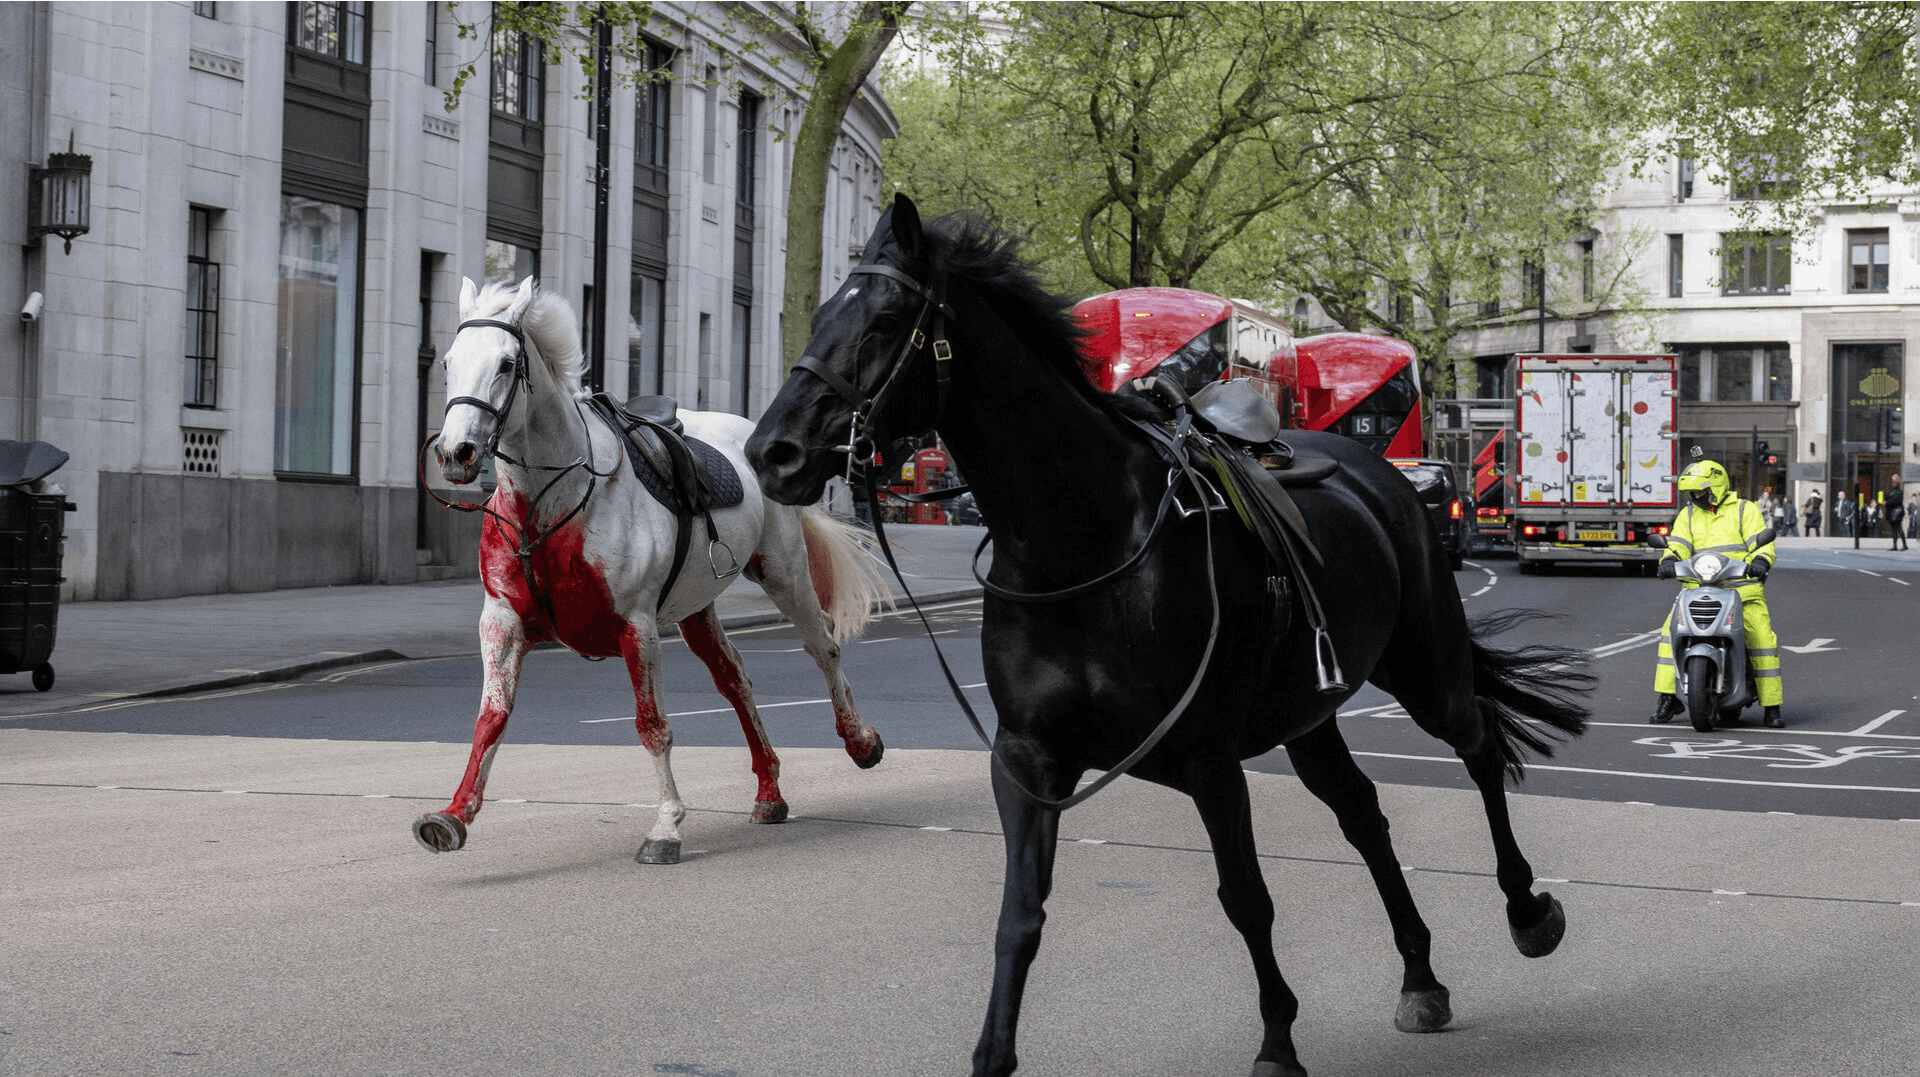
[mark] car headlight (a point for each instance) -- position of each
(1708, 565)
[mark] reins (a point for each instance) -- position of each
(865, 408)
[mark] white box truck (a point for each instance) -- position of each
(1593, 458)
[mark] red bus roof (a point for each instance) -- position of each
(1133, 329)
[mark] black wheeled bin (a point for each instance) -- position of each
(33, 526)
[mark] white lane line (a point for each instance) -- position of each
(1877, 723)
(1761, 731)
(1660, 777)
(1869, 572)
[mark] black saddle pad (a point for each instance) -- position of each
(723, 482)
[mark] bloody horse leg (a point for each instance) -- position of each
(796, 588)
(707, 639)
(1032, 836)
(640, 646)
(503, 644)
(1326, 767)
(1219, 790)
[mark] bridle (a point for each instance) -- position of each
(521, 536)
(929, 324)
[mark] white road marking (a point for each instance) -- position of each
(1877, 723)
(1661, 777)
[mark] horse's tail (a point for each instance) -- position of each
(1531, 696)
(846, 577)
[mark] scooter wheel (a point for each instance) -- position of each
(1700, 680)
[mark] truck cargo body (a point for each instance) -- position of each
(1592, 457)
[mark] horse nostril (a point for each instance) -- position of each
(464, 453)
(779, 455)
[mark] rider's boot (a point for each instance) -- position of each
(1666, 706)
(1772, 718)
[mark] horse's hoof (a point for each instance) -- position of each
(872, 758)
(1543, 937)
(1423, 1011)
(769, 811)
(658, 851)
(440, 832)
(1278, 1069)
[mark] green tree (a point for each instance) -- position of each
(1797, 103)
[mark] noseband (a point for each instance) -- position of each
(520, 377)
(860, 445)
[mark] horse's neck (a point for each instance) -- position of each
(1047, 467)
(545, 430)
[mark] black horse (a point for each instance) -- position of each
(1081, 680)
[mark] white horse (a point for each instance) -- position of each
(575, 549)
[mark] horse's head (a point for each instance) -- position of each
(486, 369)
(869, 374)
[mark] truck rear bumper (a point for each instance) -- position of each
(1556, 551)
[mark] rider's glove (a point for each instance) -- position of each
(1758, 569)
(1665, 570)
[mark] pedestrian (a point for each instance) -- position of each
(1812, 511)
(1843, 517)
(1913, 516)
(1896, 518)
(1779, 515)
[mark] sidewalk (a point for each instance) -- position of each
(109, 650)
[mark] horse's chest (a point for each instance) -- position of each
(557, 590)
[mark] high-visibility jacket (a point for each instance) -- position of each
(1725, 530)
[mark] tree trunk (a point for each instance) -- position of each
(836, 84)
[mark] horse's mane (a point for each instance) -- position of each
(549, 322)
(972, 251)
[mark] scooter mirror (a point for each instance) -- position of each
(1763, 538)
(1658, 542)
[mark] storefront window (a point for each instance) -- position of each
(319, 305)
(510, 264)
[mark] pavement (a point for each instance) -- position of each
(188, 905)
(173, 646)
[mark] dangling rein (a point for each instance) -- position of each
(1180, 432)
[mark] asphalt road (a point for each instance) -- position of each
(1852, 747)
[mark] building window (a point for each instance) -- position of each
(1867, 260)
(746, 149)
(1676, 265)
(1735, 373)
(1756, 176)
(1399, 304)
(1586, 269)
(510, 263)
(337, 30)
(205, 9)
(319, 301)
(647, 335)
(433, 44)
(709, 134)
(1757, 263)
(653, 115)
(1533, 284)
(742, 356)
(203, 312)
(519, 75)
(1685, 170)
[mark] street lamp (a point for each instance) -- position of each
(58, 196)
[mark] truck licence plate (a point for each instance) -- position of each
(1597, 536)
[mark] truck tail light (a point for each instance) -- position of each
(1533, 529)
(1453, 509)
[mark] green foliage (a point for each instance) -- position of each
(1267, 150)
(1801, 103)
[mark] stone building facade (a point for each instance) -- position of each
(240, 354)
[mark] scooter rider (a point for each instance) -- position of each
(1715, 520)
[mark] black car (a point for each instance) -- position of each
(1452, 516)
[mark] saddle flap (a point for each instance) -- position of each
(658, 410)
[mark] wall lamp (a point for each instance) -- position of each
(58, 196)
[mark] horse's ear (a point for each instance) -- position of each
(906, 226)
(522, 301)
(468, 293)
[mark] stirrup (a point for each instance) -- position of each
(1323, 658)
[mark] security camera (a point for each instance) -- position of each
(30, 311)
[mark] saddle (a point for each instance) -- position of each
(688, 476)
(1229, 432)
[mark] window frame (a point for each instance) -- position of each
(1746, 246)
(1876, 241)
(202, 309)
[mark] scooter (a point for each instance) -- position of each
(1709, 636)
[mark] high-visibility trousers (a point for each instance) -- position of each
(1763, 651)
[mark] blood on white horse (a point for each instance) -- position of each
(574, 549)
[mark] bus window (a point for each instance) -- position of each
(1199, 361)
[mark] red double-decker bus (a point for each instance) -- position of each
(1366, 387)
